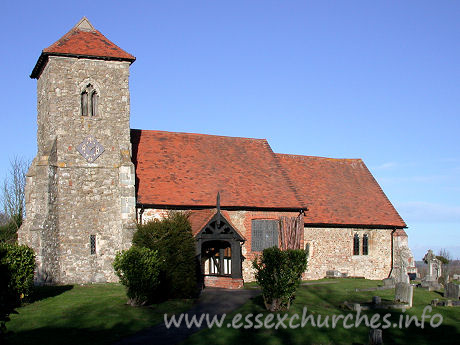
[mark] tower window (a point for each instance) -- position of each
(356, 244)
(92, 242)
(365, 245)
(89, 98)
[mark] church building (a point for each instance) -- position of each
(94, 178)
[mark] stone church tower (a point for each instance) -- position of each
(80, 193)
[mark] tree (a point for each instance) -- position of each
(13, 191)
(172, 238)
(445, 258)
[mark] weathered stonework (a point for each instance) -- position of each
(67, 198)
(332, 249)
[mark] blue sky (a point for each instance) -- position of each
(377, 80)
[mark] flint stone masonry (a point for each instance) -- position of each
(332, 249)
(67, 198)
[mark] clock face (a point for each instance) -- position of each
(90, 149)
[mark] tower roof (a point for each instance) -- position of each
(82, 41)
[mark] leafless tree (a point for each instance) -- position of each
(12, 193)
(3, 218)
(445, 258)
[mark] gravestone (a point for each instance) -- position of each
(430, 281)
(333, 274)
(376, 300)
(404, 293)
(400, 274)
(452, 290)
(389, 282)
(456, 277)
(375, 337)
(434, 266)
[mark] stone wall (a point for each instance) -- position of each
(332, 249)
(68, 199)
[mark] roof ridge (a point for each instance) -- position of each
(318, 157)
(197, 134)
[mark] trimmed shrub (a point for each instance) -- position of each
(172, 238)
(279, 273)
(20, 260)
(138, 270)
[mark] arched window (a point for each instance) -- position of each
(94, 103)
(84, 103)
(365, 245)
(356, 244)
(89, 98)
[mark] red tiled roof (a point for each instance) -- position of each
(183, 169)
(199, 218)
(340, 191)
(82, 41)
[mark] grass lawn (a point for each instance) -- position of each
(89, 314)
(327, 300)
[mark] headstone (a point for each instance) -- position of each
(434, 266)
(400, 274)
(404, 293)
(389, 282)
(452, 290)
(333, 274)
(456, 277)
(375, 337)
(431, 285)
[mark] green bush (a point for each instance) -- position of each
(138, 269)
(20, 260)
(17, 265)
(279, 273)
(172, 238)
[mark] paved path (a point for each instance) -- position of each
(213, 301)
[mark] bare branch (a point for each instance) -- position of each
(13, 190)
